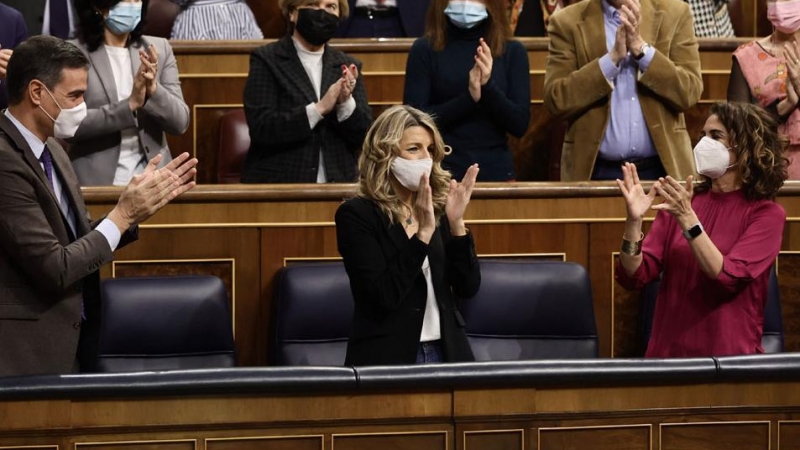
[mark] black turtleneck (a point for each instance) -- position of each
(438, 83)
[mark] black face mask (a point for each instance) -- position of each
(317, 26)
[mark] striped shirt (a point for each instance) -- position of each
(216, 20)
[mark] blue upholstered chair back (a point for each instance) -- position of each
(531, 310)
(312, 313)
(163, 323)
(771, 340)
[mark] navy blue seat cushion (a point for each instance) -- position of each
(531, 310)
(161, 323)
(312, 314)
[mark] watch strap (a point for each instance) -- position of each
(642, 51)
(693, 231)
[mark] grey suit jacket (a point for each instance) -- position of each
(44, 275)
(95, 148)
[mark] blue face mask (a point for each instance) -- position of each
(124, 17)
(466, 14)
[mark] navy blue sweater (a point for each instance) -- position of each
(438, 83)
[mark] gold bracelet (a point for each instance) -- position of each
(631, 248)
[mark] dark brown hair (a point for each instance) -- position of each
(760, 150)
(498, 33)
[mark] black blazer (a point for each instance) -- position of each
(284, 149)
(390, 291)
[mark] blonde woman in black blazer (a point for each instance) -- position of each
(405, 247)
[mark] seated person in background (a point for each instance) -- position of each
(134, 95)
(405, 246)
(215, 20)
(49, 252)
(12, 33)
(530, 17)
(473, 78)
(712, 244)
(766, 72)
(621, 72)
(306, 110)
(711, 18)
(384, 18)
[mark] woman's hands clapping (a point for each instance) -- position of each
(481, 72)
(677, 200)
(458, 196)
(637, 202)
(145, 81)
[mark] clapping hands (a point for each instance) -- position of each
(481, 71)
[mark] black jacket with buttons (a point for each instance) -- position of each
(389, 288)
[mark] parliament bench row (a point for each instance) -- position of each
(523, 311)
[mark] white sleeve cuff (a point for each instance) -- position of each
(345, 110)
(313, 115)
(110, 232)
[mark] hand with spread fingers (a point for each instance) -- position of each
(636, 200)
(152, 189)
(458, 196)
(677, 199)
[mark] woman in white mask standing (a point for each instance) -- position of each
(134, 95)
(713, 243)
(766, 72)
(472, 76)
(405, 246)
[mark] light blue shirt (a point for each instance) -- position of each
(626, 136)
(106, 227)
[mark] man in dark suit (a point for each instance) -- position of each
(12, 32)
(384, 18)
(49, 252)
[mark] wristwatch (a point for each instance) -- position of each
(693, 231)
(641, 52)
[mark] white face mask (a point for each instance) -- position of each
(409, 171)
(711, 157)
(68, 120)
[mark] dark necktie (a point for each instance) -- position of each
(59, 18)
(47, 162)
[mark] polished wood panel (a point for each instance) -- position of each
(267, 443)
(601, 438)
(137, 445)
(496, 439)
(788, 435)
(680, 414)
(715, 436)
(417, 440)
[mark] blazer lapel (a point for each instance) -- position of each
(651, 22)
(294, 71)
(22, 146)
(331, 69)
(102, 65)
(69, 183)
(593, 31)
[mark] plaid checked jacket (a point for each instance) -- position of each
(284, 149)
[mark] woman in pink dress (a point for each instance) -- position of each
(766, 72)
(713, 244)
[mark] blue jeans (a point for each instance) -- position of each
(430, 352)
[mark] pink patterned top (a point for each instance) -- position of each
(767, 77)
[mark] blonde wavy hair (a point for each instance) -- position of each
(382, 146)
